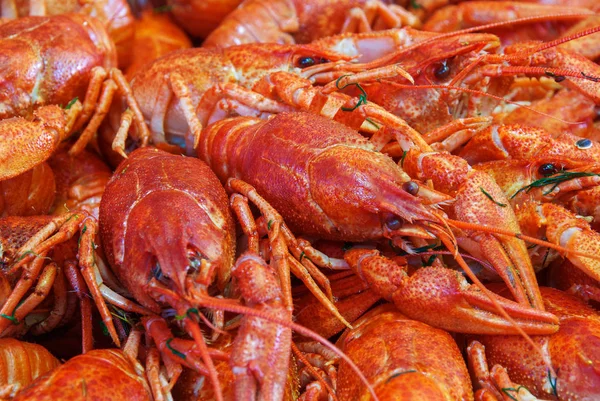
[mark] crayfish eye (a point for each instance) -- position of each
(195, 259)
(547, 169)
(442, 70)
(393, 223)
(411, 187)
(304, 62)
(158, 274)
(583, 143)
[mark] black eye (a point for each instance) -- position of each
(442, 70)
(158, 274)
(393, 223)
(411, 187)
(195, 258)
(324, 60)
(583, 143)
(306, 62)
(547, 169)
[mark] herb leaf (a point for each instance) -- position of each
(426, 248)
(173, 350)
(362, 98)
(507, 391)
(400, 374)
(554, 180)
(71, 103)
(415, 5)
(553, 383)
(163, 9)
(491, 198)
(12, 318)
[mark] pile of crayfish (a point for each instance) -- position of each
(299, 200)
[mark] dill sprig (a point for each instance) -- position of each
(190, 311)
(415, 5)
(71, 103)
(30, 252)
(173, 350)
(122, 315)
(553, 383)
(362, 98)
(400, 374)
(12, 318)
(163, 9)
(554, 180)
(427, 248)
(507, 391)
(403, 157)
(491, 198)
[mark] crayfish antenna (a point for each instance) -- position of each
(163, 337)
(481, 93)
(194, 329)
(533, 240)
(584, 74)
(517, 21)
(231, 307)
(185, 311)
(557, 42)
(234, 307)
(282, 242)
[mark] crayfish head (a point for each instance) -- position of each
(254, 61)
(186, 249)
(361, 191)
(166, 218)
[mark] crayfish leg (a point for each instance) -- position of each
(282, 243)
(85, 305)
(494, 384)
(100, 101)
(163, 337)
